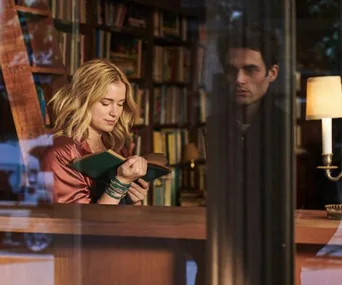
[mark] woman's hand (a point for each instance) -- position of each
(138, 192)
(132, 169)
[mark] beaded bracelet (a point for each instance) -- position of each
(115, 193)
(120, 183)
(112, 195)
(117, 189)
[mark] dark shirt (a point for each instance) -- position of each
(263, 171)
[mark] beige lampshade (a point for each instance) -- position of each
(323, 97)
(190, 153)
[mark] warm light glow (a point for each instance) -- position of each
(323, 97)
(190, 153)
(324, 101)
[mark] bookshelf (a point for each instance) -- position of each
(155, 43)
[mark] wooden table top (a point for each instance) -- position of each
(158, 222)
(311, 227)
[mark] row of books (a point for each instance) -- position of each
(166, 188)
(46, 85)
(203, 106)
(202, 142)
(134, 143)
(202, 34)
(170, 105)
(141, 97)
(69, 11)
(200, 65)
(169, 24)
(170, 142)
(118, 15)
(194, 197)
(125, 52)
(72, 47)
(171, 64)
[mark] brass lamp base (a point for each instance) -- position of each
(327, 167)
(334, 211)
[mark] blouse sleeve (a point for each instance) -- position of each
(69, 186)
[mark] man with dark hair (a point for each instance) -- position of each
(256, 131)
(250, 62)
(254, 37)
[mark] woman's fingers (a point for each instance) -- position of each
(143, 183)
(130, 162)
(138, 192)
(140, 166)
(140, 195)
(134, 168)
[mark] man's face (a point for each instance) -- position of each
(247, 75)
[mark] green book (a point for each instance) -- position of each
(104, 165)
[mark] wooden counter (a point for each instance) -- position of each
(95, 244)
(311, 227)
(152, 222)
(140, 245)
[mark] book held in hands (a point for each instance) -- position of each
(104, 164)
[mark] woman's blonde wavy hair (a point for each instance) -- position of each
(71, 105)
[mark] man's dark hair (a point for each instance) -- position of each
(253, 37)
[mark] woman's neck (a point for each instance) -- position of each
(95, 141)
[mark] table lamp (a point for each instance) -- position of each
(190, 194)
(324, 102)
(189, 158)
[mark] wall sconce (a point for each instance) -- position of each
(324, 102)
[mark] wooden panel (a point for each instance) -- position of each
(312, 227)
(17, 77)
(170, 222)
(101, 260)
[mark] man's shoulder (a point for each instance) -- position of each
(281, 114)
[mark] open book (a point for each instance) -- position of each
(104, 164)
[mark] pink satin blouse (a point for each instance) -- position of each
(69, 186)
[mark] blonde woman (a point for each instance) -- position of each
(93, 113)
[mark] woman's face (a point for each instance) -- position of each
(106, 112)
